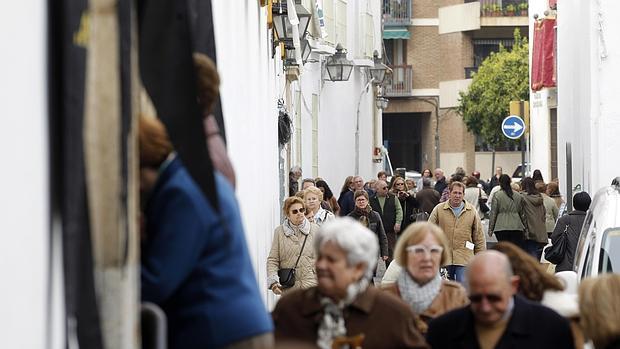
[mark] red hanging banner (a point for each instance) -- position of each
(543, 55)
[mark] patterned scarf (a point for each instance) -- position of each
(290, 229)
(332, 324)
(418, 297)
(364, 215)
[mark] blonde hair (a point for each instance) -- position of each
(599, 306)
(414, 234)
(313, 190)
(153, 142)
(290, 201)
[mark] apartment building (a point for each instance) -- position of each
(434, 47)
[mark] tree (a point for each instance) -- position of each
(501, 78)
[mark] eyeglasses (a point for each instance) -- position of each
(491, 298)
(383, 188)
(301, 210)
(420, 250)
(399, 184)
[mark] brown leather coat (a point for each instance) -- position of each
(386, 321)
(451, 296)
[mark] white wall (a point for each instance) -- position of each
(249, 92)
(24, 226)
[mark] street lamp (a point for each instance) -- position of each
(282, 25)
(378, 71)
(289, 52)
(339, 68)
(381, 102)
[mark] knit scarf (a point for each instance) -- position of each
(290, 229)
(332, 323)
(364, 215)
(418, 297)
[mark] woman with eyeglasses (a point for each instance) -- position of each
(291, 248)
(421, 249)
(364, 214)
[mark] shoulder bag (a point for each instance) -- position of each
(287, 275)
(555, 253)
(482, 202)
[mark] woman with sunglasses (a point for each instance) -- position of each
(421, 250)
(364, 214)
(407, 200)
(293, 235)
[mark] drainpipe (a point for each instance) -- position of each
(434, 101)
(357, 127)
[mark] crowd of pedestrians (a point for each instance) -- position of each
(441, 288)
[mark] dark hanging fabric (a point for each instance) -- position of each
(201, 21)
(168, 74)
(125, 25)
(68, 37)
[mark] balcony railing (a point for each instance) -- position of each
(397, 12)
(400, 82)
(503, 8)
(469, 72)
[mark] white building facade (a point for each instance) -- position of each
(324, 113)
(588, 64)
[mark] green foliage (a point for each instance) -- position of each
(501, 78)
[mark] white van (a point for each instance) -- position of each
(598, 250)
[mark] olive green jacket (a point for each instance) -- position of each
(506, 213)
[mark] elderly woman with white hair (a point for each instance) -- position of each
(344, 305)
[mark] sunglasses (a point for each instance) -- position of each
(399, 184)
(491, 298)
(420, 250)
(301, 210)
(383, 188)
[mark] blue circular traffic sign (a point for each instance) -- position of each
(513, 127)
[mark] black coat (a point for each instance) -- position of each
(388, 214)
(573, 221)
(441, 185)
(531, 326)
(407, 204)
(376, 226)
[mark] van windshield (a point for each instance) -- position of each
(609, 258)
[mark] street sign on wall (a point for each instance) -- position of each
(513, 127)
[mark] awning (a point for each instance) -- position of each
(396, 33)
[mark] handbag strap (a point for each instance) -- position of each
(302, 250)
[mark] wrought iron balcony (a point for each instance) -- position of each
(397, 12)
(400, 82)
(503, 8)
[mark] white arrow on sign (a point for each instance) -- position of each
(516, 127)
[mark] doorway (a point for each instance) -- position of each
(402, 136)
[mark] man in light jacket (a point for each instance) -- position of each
(461, 224)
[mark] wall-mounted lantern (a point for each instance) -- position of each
(381, 102)
(282, 25)
(289, 52)
(339, 68)
(379, 70)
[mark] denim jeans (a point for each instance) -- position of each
(456, 273)
(534, 248)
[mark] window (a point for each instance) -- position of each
(484, 47)
(367, 37)
(335, 13)
(609, 258)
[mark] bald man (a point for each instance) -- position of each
(388, 206)
(498, 317)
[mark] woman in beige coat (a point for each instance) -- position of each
(286, 247)
(420, 250)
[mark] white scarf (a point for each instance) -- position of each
(332, 324)
(290, 229)
(418, 297)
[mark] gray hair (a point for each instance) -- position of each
(295, 169)
(359, 243)
(426, 182)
